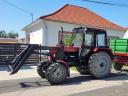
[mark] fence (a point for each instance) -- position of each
(9, 51)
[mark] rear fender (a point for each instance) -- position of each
(107, 50)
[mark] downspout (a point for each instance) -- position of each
(45, 33)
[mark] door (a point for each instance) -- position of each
(88, 43)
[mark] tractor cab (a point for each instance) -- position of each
(89, 37)
(84, 43)
(92, 43)
(88, 40)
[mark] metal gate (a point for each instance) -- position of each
(8, 51)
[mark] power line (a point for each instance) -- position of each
(106, 3)
(21, 9)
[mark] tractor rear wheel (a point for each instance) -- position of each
(99, 65)
(118, 66)
(56, 73)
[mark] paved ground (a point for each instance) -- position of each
(77, 85)
(23, 73)
(118, 90)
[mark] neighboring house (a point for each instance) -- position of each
(46, 29)
(9, 40)
(22, 40)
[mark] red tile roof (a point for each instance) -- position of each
(82, 16)
(9, 40)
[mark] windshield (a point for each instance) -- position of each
(77, 39)
(87, 37)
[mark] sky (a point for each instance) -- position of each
(13, 19)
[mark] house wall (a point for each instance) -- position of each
(115, 33)
(126, 35)
(53, 29)
(36, 37)
(46, 32)
(34, 34)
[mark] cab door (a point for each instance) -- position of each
(88, 44)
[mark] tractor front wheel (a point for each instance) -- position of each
(56, 73)
(99, 65)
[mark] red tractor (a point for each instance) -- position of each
(88, 52)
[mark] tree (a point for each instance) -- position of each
(13, 35)
(3, 34)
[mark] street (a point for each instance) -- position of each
(119, 90)
(77, 85)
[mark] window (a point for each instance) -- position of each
(89, 39)
(101, 40)
(67, 38)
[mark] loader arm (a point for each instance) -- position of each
(19, 60)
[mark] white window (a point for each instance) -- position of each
(89, 39)
(101, 39)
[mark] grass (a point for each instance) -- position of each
(73, 68)
(124, 67)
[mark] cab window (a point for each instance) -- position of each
(100, 40)
(89, 39)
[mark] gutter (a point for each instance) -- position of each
(29, 25)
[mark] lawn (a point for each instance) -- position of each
(124, 67)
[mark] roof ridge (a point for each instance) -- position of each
(54, 12)
(60, 10)
(76, 6)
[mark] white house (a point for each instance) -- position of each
(46, 29)
(126, 34)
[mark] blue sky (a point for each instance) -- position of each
(12, 19)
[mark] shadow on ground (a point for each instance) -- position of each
(74, 80)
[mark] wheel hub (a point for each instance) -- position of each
(102, 63)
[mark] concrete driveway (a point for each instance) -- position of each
(77, 85)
